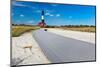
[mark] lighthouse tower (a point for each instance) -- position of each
(42, 23)
(42, 16)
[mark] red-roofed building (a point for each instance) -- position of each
(41, 24)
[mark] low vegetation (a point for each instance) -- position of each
(17, 30)
(83, 28)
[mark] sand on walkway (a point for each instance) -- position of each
(26, 51)
(83, 36)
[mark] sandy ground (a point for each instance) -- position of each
(83, 36)
(23, 54)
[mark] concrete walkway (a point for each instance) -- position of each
(58, 48)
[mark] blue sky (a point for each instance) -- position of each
(55, 14)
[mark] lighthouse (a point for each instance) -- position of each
(42, 16)
(42, 23)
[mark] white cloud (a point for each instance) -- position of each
(22, 5)
(47, 14)
(17, 4)
(51, 15)
(21, 15)
(58, 15)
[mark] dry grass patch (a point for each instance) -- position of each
(83, 29)
(18, 30)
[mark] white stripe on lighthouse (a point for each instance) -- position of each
(42, 17)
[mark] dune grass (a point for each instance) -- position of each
(82, 29)
(19, 30)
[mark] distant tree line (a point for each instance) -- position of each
(22, 25)
(77, 26)
(55, 26)
(51, 26)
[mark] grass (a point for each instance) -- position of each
(19, 30)
(83, 29)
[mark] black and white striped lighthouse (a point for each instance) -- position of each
(42, 23)
(42, 17)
